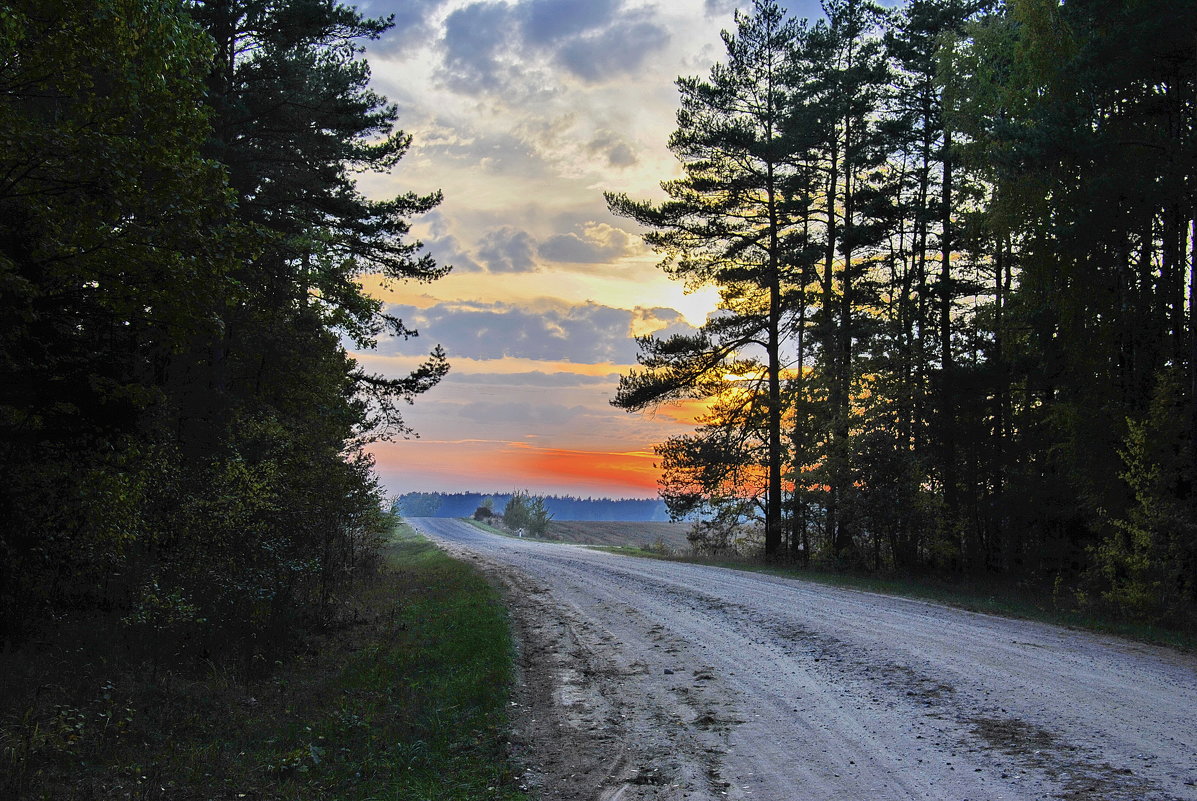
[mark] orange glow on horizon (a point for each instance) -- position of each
(635, 470)
(485, 465)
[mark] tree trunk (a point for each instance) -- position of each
(842, 410)
(946, 381)
(1193, 329)
(773, 508)
(829, 341)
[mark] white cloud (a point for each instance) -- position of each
(721, 8)
(614, 148)
(523, 112)
(476, 36)
(532, 378)
(414, 21)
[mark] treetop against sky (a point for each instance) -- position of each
(524, 113)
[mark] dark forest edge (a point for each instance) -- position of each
(188, 514)
(955, 246)
(182, 430)
(404, 695)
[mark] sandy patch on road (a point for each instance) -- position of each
(592, 722)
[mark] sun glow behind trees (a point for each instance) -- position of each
(973, 335)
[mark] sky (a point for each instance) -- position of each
(523, 113)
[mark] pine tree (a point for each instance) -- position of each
(845, 76)
(726, 224)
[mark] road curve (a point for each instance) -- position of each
(647, 679)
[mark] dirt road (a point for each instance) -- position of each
(655, 680)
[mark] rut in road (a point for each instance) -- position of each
(644, 679)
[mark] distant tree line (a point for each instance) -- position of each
(181, 428)
(561, 507)
(955, 246)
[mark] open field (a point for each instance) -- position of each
(637, 534)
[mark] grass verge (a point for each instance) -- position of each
(405, 700)
(989, 596)
(487, 527)
(502, 532)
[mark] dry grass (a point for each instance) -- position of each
(637, 534)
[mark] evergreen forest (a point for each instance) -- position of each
(954, 242)
(182, 470)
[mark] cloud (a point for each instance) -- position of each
(718, 8)
(471, 465)
(507, 250)
(634, 472)
(533, 378)
(488, 45)
(597, 243)
(621, 155)
(538, 414)
(618, 51)
(659, 322)
(549, 21)
(588, 333)
(444, 247)
(448, 252)
(616, 151)
(475, 37)
(413, 24)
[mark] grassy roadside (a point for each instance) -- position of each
(406, 701)
(976, 595)
(502, 532)
(487, 527)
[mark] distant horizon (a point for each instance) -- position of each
(486, 493)
(560, 507)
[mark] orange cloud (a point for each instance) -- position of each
(687, 411)
(396, 292)
(400, 365)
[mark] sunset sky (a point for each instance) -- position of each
(523, 113)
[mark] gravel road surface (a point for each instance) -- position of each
(644, 679)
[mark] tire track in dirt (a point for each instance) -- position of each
(651, 680)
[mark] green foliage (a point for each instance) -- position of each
(180, 238)
(419, 504)
(1147, 564)
(527, 513)
(729, 223)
